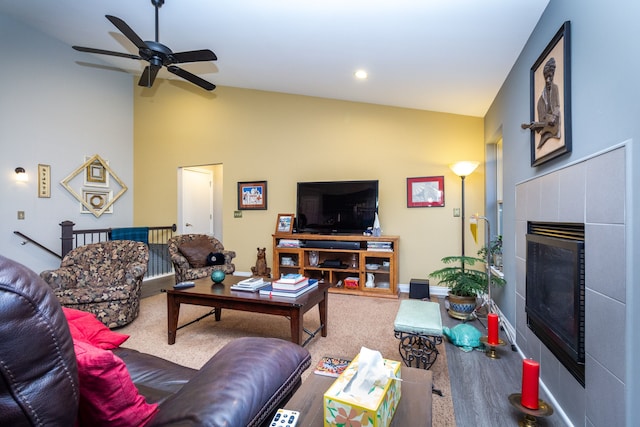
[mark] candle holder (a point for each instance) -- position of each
(530, 420)
(491, 348)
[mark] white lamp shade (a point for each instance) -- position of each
(464, 168)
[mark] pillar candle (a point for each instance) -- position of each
(492, 320)
(530, 373)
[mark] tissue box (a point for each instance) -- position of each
(375, 410)
(351, 282)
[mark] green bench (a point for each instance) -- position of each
(418, 326)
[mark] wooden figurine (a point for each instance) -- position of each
(261, 268)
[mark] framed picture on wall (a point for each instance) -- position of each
(285, 224)
(551, 100)
(252, 195)
(425, 192)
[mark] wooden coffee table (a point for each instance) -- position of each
(219, 296)
(413, 410)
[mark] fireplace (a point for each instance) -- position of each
(555, 291)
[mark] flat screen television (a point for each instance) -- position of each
(336, 207)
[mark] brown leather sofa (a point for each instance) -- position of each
(241, 385)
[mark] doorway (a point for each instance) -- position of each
(200, 200)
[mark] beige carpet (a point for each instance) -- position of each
(353, 322)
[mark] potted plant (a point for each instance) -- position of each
(465, 284)
(495, 251)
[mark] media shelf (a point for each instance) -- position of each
(345, 261)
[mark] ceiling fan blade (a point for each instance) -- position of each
(148, 75)
(127, 31)
(194, 56)
(191, 77)
(105, 52)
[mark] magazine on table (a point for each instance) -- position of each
(331, 366)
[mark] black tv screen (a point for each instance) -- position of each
(331, 207)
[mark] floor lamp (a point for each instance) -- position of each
(463, 169)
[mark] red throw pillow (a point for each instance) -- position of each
(87, 328)
(108, 396)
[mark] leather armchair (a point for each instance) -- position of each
(241, 385)
(102, 278)
(196, 247)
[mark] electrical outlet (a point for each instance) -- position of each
(237, 214)
(20, 214)
(456, 211)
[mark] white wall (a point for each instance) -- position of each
(54, 110)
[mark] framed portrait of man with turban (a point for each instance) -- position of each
(551, 100)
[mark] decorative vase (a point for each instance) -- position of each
(217, 276)
(370, 283)
(313, 258)
(461, 307)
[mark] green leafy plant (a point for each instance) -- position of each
(463, 281)
(495, 247)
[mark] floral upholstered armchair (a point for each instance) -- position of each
(198, 255)
(102, 278)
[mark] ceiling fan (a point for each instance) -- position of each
(157, 54)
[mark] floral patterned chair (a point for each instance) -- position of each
(198, 255)
(102, 278)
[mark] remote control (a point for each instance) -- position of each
(183, 285)
(285, 418)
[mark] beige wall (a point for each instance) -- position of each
(284, 139)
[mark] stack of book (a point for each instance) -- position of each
(380, 246)
(251, 284)
(289, 243)
(290, 286)
(290, 282)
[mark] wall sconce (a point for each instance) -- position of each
(21, 174)
(463, 169)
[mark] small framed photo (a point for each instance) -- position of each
(550, 93)
(252, 195)
(285, 224)
(425, 192)
(96, 173)
(44, 181)
(96, 201)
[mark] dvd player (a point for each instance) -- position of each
(332, 244)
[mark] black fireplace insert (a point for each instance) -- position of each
(555, 291)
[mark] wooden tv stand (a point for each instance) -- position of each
(341, 258)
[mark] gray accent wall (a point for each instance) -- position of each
(575, 194)
(593, 184)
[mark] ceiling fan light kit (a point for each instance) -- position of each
(157, 54)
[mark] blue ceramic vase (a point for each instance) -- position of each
(217, 276)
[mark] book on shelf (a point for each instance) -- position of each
(331, 366)
(269, 291)
(289, 243)
(276, 284)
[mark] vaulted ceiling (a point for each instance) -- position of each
(439, 55)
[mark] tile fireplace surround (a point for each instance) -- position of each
(590, 192)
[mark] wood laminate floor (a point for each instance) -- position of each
(481, 386)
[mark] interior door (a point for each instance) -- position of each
(196, 213)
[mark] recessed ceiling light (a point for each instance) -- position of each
(361, 74)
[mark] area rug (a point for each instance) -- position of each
(353, 322)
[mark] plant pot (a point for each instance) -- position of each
(461, 307)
